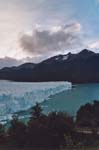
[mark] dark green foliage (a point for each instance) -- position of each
(36, 111)
(17, 132)
(55, 130)
(2, 133)
(88, 115)
(48, 131)
(60, 122)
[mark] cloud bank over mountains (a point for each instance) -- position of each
(8, 62)
(47, 27)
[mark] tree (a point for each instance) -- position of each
(17, 132)
(36, 111)
(88, 115)
(2, 133)
(60, 126)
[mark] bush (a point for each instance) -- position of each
(17, 132)
(88, 115)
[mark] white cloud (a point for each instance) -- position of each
(56, 29)
(94, 45)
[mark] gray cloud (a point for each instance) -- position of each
(8, 62)
(56, 39)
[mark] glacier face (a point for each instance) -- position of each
(15, 96)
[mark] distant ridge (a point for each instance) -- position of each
(82, 67)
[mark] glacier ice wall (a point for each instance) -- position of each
(21, 96)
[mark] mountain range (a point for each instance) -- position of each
(82, 67)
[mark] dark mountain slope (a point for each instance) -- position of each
(76, 68)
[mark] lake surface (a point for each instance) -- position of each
(53, 96)
(71, 99)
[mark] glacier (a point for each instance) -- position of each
(18, 96)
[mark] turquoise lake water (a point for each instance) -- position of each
(71, 100)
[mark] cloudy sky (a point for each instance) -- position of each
(32, 30)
